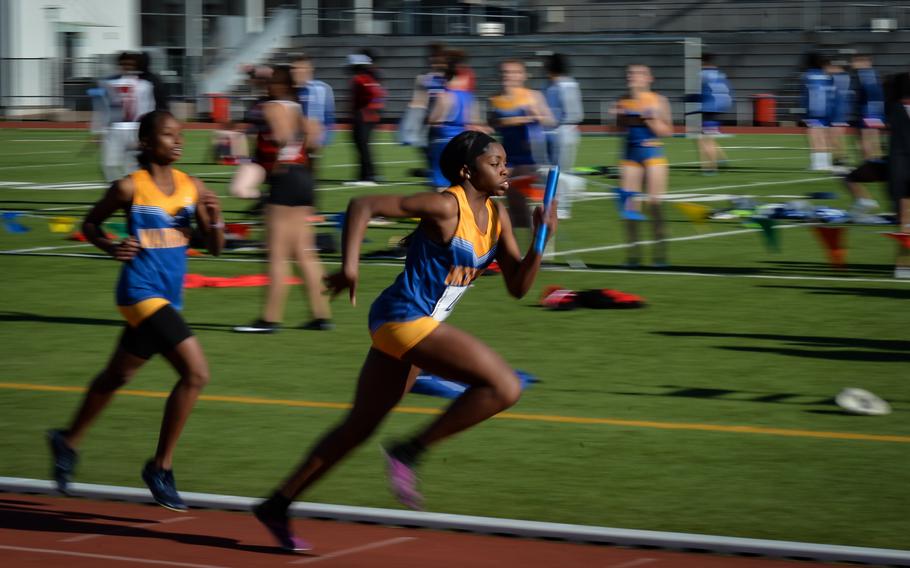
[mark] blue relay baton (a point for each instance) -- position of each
(540, 239)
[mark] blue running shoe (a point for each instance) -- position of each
(65, 459)
(279, 526)
(164, 489)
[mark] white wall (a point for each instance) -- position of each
(33, 30)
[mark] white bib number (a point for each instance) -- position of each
(447, 302)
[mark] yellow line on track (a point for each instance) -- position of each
(504, 416)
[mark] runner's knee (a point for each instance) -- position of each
(196, 378)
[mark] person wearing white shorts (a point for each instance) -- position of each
(125, 99)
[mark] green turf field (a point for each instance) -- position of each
(709, 411)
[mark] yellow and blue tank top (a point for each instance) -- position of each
(523, 142)
(162, 225)
(436, 276)
(639, 134)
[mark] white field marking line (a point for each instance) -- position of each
(45, 140)
(84, 537)
(725, 275)
(52, 209)
(764, 148)
(40, 166)
(356, 187)
(39, 249)
(637, 272)
(688, 238)
(396, 162)
(741, 160)
(106, 557)
(631, 563)
(713, 188)
(356, 549)
(228, 173)
(42, 152)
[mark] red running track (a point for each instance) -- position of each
(40, 531)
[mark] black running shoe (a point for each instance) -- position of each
(258, 326)
(279, 526)
(164, 489)
(65, 459)
(319, 325)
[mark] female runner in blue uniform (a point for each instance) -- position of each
(645, 116)
(159, 202)
(462, 230)
(453, 111)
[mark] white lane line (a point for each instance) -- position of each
(356, 549)
(39, 249)
(41, 166)
(631, 563)
(723, 275)
(84, 537)
(674, 239)
(106, 557)
(36, 153)
(396, 162)
(741, 160)
(716, 187)
(637, 272)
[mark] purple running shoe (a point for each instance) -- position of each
(403, 482)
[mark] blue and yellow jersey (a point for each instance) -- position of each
(523, 142)
(638, 133)
(162, 225)
(436, 276)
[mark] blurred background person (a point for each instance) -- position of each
(367, 100)
(125, 98)
(413, 128)
(250, 174)
(454, 111)
(283, 149)
(817, 87)
(317, 100)
(897, 111)
(716, 99)
(870, 105)
(646, 118)
(465, 79)
(839, 107)
(563, 96)
(159, 89)
(519, 116)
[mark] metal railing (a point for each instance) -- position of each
(673, 16)
(451, 21)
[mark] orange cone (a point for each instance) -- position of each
(833, 239)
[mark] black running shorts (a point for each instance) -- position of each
(291, 185)
(161, 332)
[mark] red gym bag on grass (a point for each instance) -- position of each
(606, 299)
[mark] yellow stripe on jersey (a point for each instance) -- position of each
(162, 238)
(644, 101)
(467, 229)
(146, 192)
(520, 98)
